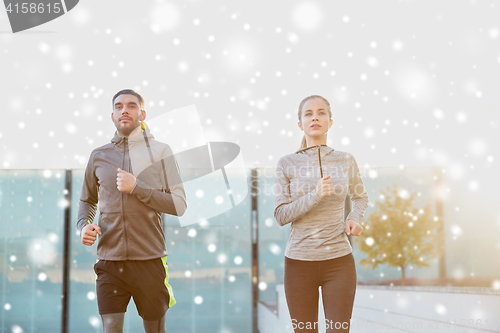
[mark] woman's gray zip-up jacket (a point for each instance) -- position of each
(131, 223)
(317, 229)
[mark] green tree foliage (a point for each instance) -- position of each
(398, 234)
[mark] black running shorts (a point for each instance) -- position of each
(145, 280)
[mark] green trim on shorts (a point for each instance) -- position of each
(172, 300)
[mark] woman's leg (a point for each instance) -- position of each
(338, 290)
(302, 295)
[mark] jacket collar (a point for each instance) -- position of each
(118, 140)
(324, 148)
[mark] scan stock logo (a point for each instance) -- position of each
(26, 14)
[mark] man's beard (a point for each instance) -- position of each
(126, 130)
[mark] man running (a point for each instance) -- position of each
(135, 179)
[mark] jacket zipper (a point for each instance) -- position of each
(319, 159)
(123, 195)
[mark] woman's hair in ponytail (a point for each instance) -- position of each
(303, 143)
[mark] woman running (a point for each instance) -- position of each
(311, 186)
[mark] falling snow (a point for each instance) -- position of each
(405, 98)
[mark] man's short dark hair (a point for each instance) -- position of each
(128, 92)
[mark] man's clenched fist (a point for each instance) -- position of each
(125, 181)
(89, 234)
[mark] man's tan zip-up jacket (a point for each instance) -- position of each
(131, 222)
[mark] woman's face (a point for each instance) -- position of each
(315, 118)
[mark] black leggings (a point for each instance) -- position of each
(337, 278)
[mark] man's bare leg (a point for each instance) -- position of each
(113, 322)
(155, 326)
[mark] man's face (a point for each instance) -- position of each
(127, 114)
